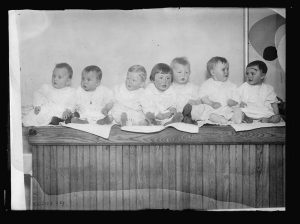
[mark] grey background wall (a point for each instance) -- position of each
(115, 39)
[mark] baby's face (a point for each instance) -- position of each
(254, 75)
(133, 81)
(162, 81)
(60, 78)
(181, 73)
(89, 81)
(220, 72)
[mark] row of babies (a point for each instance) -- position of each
(169, 97)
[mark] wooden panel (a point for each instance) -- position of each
(279, 176)
(185, 176)
(172, 177)
(93, 177)
(192, 186)
(265, 177)
(219, 177)
(258, 176)
(40, 177)
(225, 170)
(53, 177)
(206, 135)
(246, 175)
(146, 177)
(66, 174)
(126, 201)
(34, 182)
(47, 173)
(112, 178)
(252, 175)
(273, 175)
(60, 177)
(139, 177)
(132, 178)
(106, 177)
(199, 176)
(119, 177)
(165, 176)
(232, 176)
(178, 177)
(239, 175)
(86, 178)
(74, 177)
(155, 177)
(100, 182)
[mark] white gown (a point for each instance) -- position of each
(258, 99)
(90, 103)
(53, 102)
(129, 102)
(185, 92)
(156, 101)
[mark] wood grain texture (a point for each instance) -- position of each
(206, 135)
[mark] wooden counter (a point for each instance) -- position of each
(216, 168)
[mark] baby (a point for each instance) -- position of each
(159, 98)
(218, 96)
(92, 100)
(127, 109)
(50, 101)
(184, 89)
(258, 99)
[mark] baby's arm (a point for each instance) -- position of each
(206, 100)
(232, 102)
(107, 108)
(162, 116)
(195, 102)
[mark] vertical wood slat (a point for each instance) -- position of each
(172, 177)
(146, 177)
(152, 178)
(273, 172)
(252, 175)
(47, 179)
(165, 176)
(279, 176)
(93, 178)
(199, 176)
(246, 176)
(219, 177)
(239, 175)
(119, 177)
(178, 162)
(185, 176)
(80, 181)
(225, 169)
(100, 184)
(126, 201)
(265, 176)
(192, 186)
(40, 178)
(53, 177)
(34, 181)
(112, 178)
(139, 177)
(106, 177)
(232, 176)
(132, 178)
(86, 178)
(60, 177)
(74, 177)
(155, 177)
(66, 204)
(209, 177)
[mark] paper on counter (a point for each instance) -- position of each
(255, 125)
(96, 129)
(190, 128)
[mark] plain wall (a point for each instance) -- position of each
(116, 39)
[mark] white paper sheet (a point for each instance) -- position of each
(190, 128)
(255, 125)
(99, 130)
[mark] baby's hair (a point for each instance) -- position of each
(260, 64)
(93, 68)
(213, 61)
(182, 61)
(161, 68)
(66, 66)
(140, 70)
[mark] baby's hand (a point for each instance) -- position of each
(104, 111)
(195, 102)
(67, 113)
(37, 109)
(172, 110)
(162, 116)
(231, 102)
(216, 105)
(243, 104)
